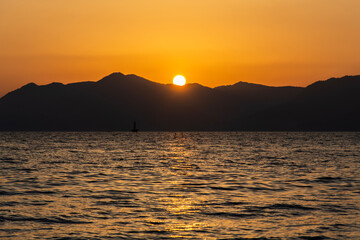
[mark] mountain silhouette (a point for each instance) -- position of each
(114, 102)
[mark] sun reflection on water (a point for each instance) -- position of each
(178, 185)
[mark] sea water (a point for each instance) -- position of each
(179, 185)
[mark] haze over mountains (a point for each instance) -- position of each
(115, 101)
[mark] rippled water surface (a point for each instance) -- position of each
(203, 185)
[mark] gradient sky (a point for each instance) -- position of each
(212, 42)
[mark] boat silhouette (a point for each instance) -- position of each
(134, 128)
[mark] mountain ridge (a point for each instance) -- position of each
(113, 102)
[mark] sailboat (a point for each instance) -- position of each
(134, 128)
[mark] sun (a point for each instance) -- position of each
(179, 80)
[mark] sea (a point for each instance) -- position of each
(180, 185)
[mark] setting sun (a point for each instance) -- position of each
(179, 80)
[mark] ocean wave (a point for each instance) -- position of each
(41, 220)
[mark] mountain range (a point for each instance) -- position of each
(114, 102)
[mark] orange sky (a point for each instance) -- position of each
(212, 42)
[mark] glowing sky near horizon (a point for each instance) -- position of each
(211, 42)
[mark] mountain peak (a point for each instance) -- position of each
(55, 84)
(116, 74)
(337, 82)
(29, 85)
(246, 84)
(111, 77)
